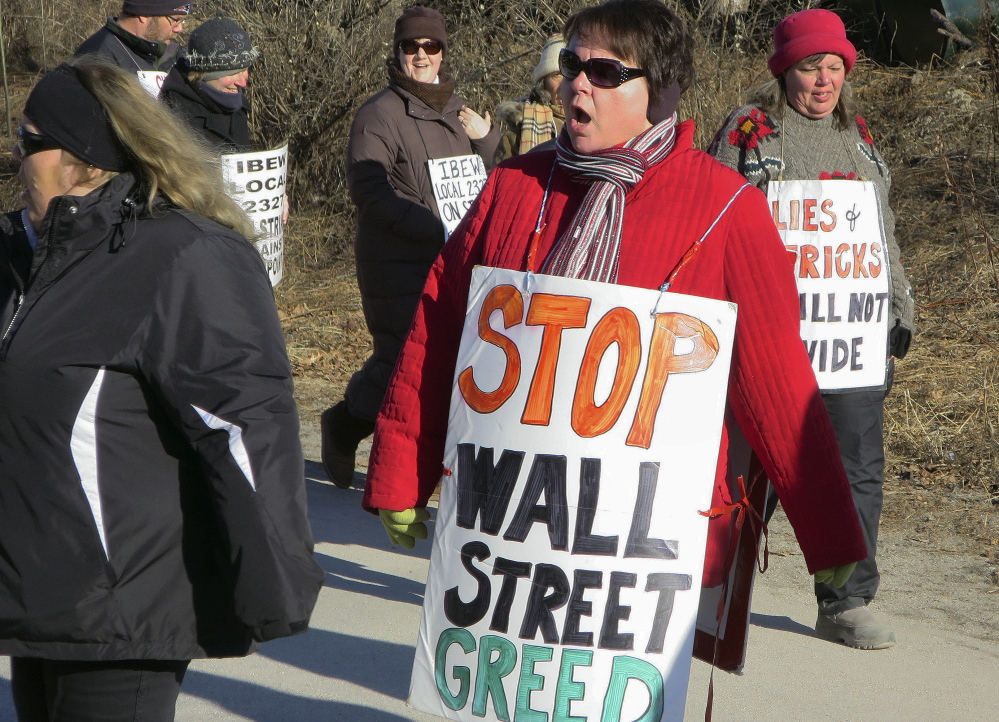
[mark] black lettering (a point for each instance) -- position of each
(548, 473)
(856, 307)
(585, 542)
(832, 309)
(254, 166)
(465, 614)
(869, 307)
(855, 364)
(614, 612)
(511, 572)
(667, 585)
(822, 355)
(815, 308)
(583, 579)
(540, 605)
(639, 544)
(840, 354)
(484, 487)
(882, 297)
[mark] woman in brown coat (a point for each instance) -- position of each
(418, 117)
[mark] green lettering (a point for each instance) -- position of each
(448, 637)
(530, 681)
(627, 668)
(490, 673)
(568, 689)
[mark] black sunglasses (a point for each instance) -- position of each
(411, 47)
(28, 142)
(602, 72)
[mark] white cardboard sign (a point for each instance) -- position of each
(152, 81)
(833, 231)
(582, 442)
(257, 182)
(456, 182)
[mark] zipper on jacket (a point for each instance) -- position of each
(17, 310)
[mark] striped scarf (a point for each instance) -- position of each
(590, 247)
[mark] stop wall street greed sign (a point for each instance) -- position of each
(583, 437)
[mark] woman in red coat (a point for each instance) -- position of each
(621, 200)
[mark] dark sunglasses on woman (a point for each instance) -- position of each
(412, 47)
(28, 142)
(602, 72)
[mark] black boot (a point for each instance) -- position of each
(341, 432)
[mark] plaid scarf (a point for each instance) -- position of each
(540, 124)
(590, 247)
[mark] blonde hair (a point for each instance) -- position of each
(772, 96)
(167, 156)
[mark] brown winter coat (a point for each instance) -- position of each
(399, 231)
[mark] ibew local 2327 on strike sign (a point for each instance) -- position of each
(583, 437)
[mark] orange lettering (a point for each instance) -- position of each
(808, 223)
(555, 313)
(858, 261)
(619, 326)
(781, 226)
(842, 271)
(809, 254)
(664, 361)
(507, 299)
(875, 268)
(827, 261)
(826, 208)
(795, 207)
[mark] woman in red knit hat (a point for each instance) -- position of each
(802, 126)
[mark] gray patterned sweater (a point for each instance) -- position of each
(751, 141)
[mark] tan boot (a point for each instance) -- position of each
(857, 628)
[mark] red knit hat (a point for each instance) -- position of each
(810, 32)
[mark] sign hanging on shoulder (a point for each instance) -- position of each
(833, 233)
(582, 441)
(257, 182)
(456, 182)
(152, 81)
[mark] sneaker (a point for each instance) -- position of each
(857, 628)
(339, 467)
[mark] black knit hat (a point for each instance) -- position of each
(155, 7)
(420, 22)
(218, 47)
(66, 111)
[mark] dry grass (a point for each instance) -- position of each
(937, 127)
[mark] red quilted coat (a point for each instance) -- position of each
(772, 391)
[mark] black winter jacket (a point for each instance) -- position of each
(129, 51)
(152, 503)
(227, 131)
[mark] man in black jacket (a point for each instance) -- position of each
(142, 39)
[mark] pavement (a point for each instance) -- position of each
(354, 664)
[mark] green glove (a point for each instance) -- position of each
(406, 526)
(835, 576)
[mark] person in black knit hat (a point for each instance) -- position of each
(151, 475)
(206, 86)
(141, 39)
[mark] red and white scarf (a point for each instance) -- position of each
(590, 247)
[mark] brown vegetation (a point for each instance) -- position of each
(938, 128)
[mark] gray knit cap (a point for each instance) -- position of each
(218, 47)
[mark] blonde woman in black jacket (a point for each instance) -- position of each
(152, 505)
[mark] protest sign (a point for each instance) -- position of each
(152, 81)
(583, 437)
(456, 182)
(832, 230)
(257, 182)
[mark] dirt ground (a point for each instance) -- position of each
(929, 572)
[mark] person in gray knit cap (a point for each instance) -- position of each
(802, 125)
(141, 39)
(206, 87)
(418, 117)
(529, 122)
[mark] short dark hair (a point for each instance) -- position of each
(643, 31)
